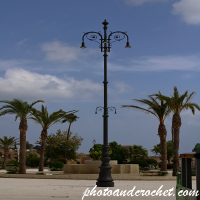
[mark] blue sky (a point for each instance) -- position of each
(40, 58)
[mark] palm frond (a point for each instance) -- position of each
(70, 118)
(182, 97)
(167, 112)
(7, 142)
(144, 101)
(45, 119)
(194, 105)
(190, 97)
(8, 111)
(191, 108)
(8, 106)
(176, 93)
(21, 108)
(38, 101)
(139, 108)
(16, 117)
(161, 97)
(160, 110)
(37, 120)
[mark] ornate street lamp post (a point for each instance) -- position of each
(105, 179)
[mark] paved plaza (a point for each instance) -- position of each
(57, 189)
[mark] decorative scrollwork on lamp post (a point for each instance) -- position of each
(100, 108)
(105, 179)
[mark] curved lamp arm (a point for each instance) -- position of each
(118, 38)
(92, 37)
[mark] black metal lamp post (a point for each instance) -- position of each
(105, 179)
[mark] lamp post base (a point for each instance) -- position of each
(105, 179)
(105, 184)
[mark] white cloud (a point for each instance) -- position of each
(21, 42)
(17, 63)
(122, 87)
(140, 2)
(19, 83)
(186, 76)
(189, 10)
(158, 63)
(58, 51)
(145, 63)
(45, 66)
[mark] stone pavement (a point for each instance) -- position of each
(57, 189)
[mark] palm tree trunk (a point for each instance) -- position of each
(22, 153)
(162, 132)
(172, 135)
(176, 148)
(22, 156)
(176, 124)
(6, 151)
(67, 140)
(43, 138)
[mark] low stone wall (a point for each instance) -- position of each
(94, 169)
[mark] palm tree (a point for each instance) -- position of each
(5, 143)
(176, 104)
(161, 111)
(69, 118)
(46, 120)
(22, 110)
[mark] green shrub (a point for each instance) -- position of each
(160, 173)
(95, 151)
(1, 161)
(32, 159)
(145, 163)
(63, 160)
(152, 162)
(144, 168)
(193, 172)
(96, 155)
(40, 173)
(142, 163)
(46, 162)
(57, 166)
(13, 162)
(12, 170)
(117, 152)
(10, 162)
(170, 166)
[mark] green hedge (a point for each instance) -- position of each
(151, 161)
(144, 162)
(57, 166)
(170, 166)
(32, 159)
(12, 170)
